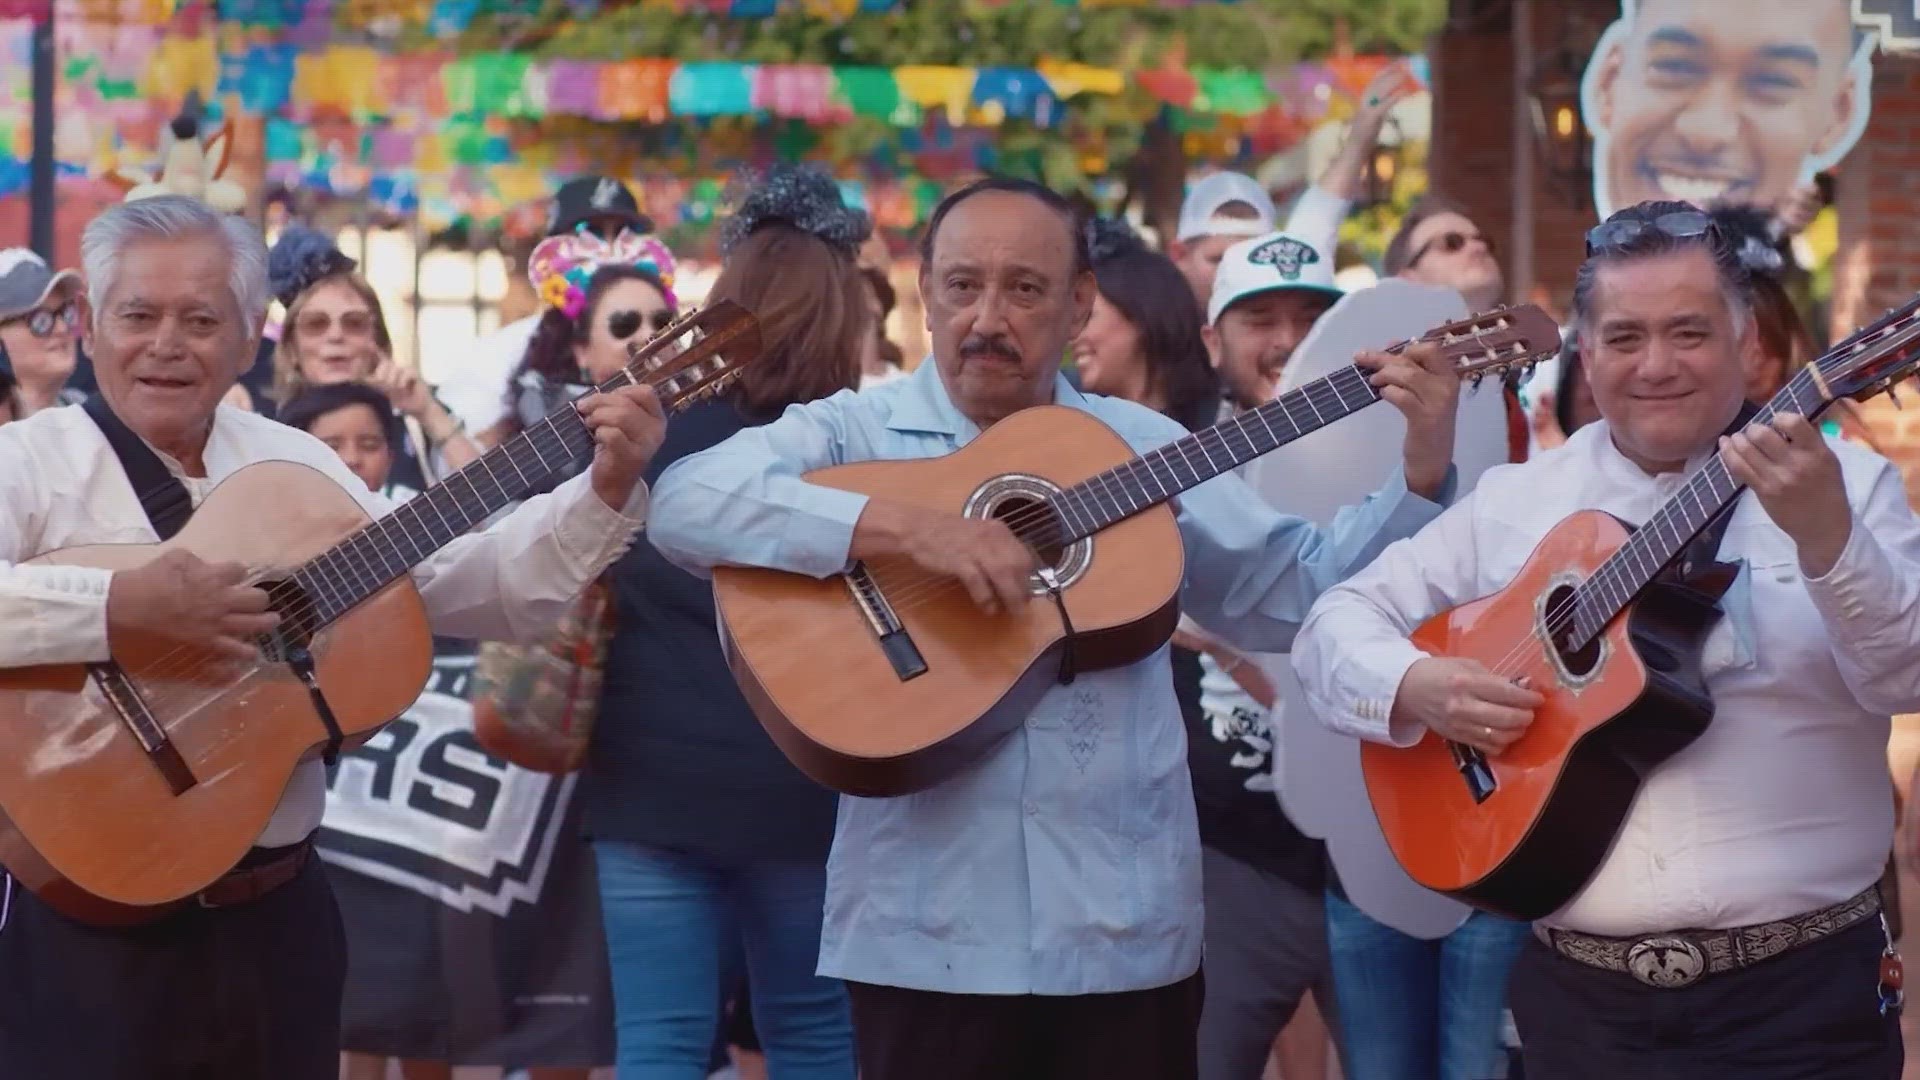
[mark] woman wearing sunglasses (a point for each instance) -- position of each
(39, 330)
(711, 848)
(601, 296)
(334, 332)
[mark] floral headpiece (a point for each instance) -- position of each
(561, 266)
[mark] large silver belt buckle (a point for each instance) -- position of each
(1666, 962)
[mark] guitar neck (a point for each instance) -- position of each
(389, 548)
(1159, 475)
(1710, 491)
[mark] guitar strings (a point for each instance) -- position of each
(1044, 524)
(181, 661)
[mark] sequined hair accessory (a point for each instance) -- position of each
(1109, 238)
(562, 266)
(802, 196)
(300, 258)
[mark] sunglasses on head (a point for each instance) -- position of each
(622, 325)
(41, 321)
(352, 323)
(1452, 242)
(1680, 224)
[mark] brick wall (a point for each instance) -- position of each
(1878, 262)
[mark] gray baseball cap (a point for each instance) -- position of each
(26, 281)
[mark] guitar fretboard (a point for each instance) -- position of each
(382, 552)
(1159, 475)
(1711, 489)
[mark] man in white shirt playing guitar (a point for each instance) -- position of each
(1734, 926)
(245, 979)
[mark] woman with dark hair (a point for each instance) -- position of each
(600, 296)
(704, 834)
(880, 359)
(1143, 341)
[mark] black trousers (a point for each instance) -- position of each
(1809, 1014)
(249, 992)
(921, 1035)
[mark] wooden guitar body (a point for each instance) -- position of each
(90, 820)
(1614, 712)
(872, 712)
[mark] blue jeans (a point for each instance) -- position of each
(674, 919)
(1420, 1010)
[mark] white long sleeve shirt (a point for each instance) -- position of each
(62, 486)
(1785, 804)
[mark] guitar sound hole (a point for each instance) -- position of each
(1035, 523)
(297, 618)
(1578, 663)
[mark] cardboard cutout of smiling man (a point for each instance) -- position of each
(1723, 100)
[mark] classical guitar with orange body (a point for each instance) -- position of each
(128, 786)
(878, 681)
(1608, 623)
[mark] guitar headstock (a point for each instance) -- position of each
(1876, 359)
(699, 355)
(1505, 341)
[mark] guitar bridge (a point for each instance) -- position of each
(145, 727)
(885, 623)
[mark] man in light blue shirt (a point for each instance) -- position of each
(1038, 914)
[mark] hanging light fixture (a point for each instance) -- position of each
(1383, 166)
(1565, 144)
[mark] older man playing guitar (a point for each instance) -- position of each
(1037, 913)
(1732, 923)
(242, 979)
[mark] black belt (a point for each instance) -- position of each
(1684, 957)
(261, 872)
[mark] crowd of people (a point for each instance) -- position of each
(1118, 888)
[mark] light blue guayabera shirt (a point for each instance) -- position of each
(1067, 861)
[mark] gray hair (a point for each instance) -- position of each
(165, 217)
(1735, 281)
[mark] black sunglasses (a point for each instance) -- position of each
(40, 321)
(622, 325)
(1452, 242)
(1681, 224)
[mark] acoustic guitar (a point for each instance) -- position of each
(129, 786)
(1608, 621)
(882, 680)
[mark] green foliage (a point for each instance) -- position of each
(1248, 34)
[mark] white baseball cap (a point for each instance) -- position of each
(1200, 213)
(1275, 262)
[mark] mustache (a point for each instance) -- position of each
(980, 345)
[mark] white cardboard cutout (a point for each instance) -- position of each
(1618, 37)
(1316, 770)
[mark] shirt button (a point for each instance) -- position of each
(1033, 809)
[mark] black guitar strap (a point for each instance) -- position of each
(161, 493)
(168, 507)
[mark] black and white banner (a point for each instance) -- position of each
(473, 918)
